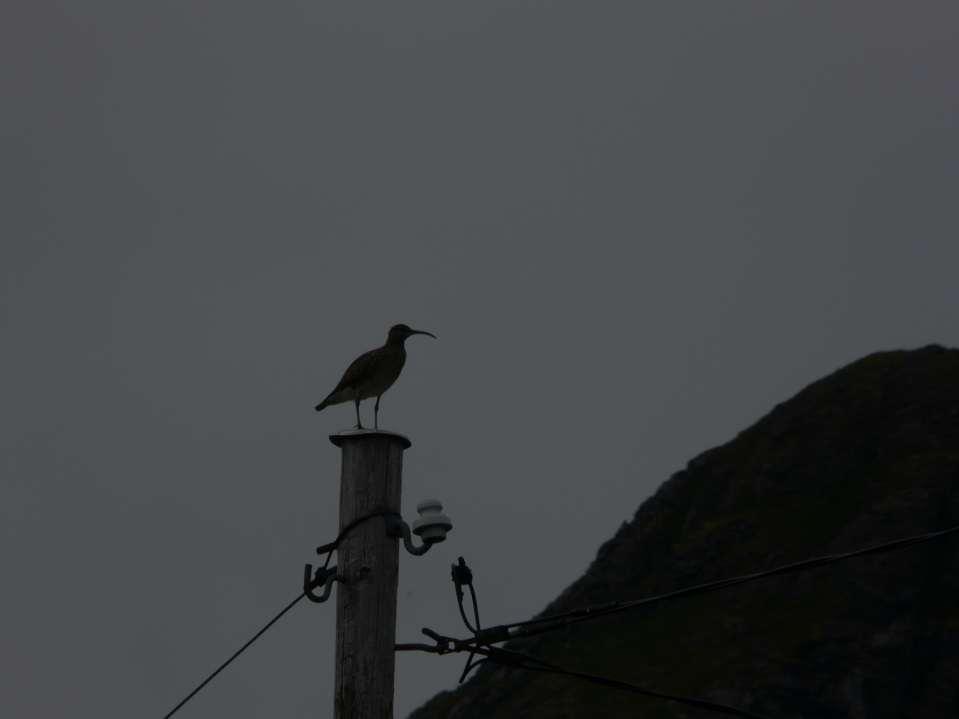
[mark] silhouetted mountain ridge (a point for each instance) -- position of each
(867, 454)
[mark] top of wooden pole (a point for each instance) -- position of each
(341, 437)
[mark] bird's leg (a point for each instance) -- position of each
(376, 412)
(359, 425)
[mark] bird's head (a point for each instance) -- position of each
(399, 333)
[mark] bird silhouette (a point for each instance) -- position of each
(372, 373)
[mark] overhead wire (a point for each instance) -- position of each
(233, 656)
(329, 549)
(462, 575)
(483, 639)
(532, 627)
(508, 657)
(526, 661)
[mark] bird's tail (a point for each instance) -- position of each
(334, 397)
(331, 399)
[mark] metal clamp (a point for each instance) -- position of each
(323, 577)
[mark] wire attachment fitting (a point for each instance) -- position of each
(461, 575)
(431, 527)
(323, 577)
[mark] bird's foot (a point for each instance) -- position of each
(358, 426)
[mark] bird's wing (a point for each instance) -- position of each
(357, 371)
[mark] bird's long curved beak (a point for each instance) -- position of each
(422, 332)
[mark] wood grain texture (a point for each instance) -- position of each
(368, 563)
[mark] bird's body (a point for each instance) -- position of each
(372, 373)
(369, 375)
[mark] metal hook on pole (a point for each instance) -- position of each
(323, 577)
(432, 527)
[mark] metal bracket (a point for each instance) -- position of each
(323, 577)
(396, 527)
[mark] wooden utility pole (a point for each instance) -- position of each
(368, 569)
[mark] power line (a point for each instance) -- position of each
(331, 546)
(309, 583)
(462, 575)
(235, 654)
(512, 658)
(531, 627)
(524, 661)
(483, 639)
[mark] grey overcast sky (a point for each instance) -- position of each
(635, 226)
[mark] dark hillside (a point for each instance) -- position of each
(867, 454)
